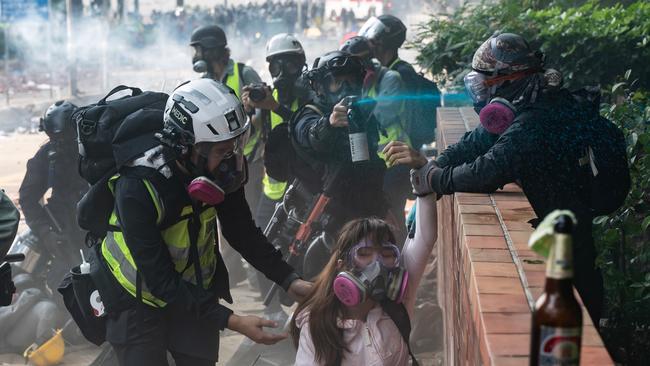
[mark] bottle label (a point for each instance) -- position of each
(559, 346)
(359, 146)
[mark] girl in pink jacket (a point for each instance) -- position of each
(341, 321)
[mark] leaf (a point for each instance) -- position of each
(618, 86)
(627, 74)
(645, 224)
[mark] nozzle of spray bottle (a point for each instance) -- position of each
(84, 267)
(357, 134)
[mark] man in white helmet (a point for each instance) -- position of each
(286, 58)
(162, 250)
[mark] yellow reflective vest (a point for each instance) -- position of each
(274, 189)
(118, 257)
(234, 82)
(394, 132)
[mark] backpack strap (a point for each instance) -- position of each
(399, 315)
(315, 109)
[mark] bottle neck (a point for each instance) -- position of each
(559, 267)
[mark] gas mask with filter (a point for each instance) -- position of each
(373, 273)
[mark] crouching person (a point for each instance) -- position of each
(362, 301)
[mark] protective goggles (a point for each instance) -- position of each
(279, 66)
(482, 87)
(365, 253)
(373, 28)
(221, 149)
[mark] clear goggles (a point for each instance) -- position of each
(365, 253)
(223, 149)
(482, 87)
(372, 29)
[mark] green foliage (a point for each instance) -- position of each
(623, 238)
(590, 44)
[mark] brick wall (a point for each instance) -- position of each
(488, 278)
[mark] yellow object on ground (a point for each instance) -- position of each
(48, 354)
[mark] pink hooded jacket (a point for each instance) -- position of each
(377, 341)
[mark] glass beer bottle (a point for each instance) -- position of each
(557, 318)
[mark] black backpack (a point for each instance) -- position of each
(603, 160)
(421, 105)
(111, 133)
(97, 125)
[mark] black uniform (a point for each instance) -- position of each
(54, 167)
(323, 151)
(192, 340)
(540, 153)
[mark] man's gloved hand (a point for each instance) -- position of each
(421, 178)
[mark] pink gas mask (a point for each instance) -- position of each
(376, 274)
(497, 115)
(229, 176)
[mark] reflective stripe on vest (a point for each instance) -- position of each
(176, 237)
(394, 132)
(274, 189)
(234, 82)
(394, 63)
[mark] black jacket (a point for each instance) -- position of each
(137, 215)
(59, 172)
(323, 151)
(538, 152)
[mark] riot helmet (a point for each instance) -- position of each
(385, 30)
(57, 121)
(358, 46)
(335, 75)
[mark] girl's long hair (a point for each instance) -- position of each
(323, 305)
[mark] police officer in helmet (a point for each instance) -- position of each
(55, 166)
(167, 206)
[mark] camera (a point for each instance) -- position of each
(257, 92)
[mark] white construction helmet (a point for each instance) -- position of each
(283, 43)
(204, 110)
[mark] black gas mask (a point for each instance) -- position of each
(285, 71)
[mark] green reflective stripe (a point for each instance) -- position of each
(157, 202)
(176, 237)
(275, 118)
(274, 189)
(394, 132)
(250, 145)
(394, 63)
(123, 269)
(233, 80)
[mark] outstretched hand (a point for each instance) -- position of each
(399, 153)
(253, 328)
